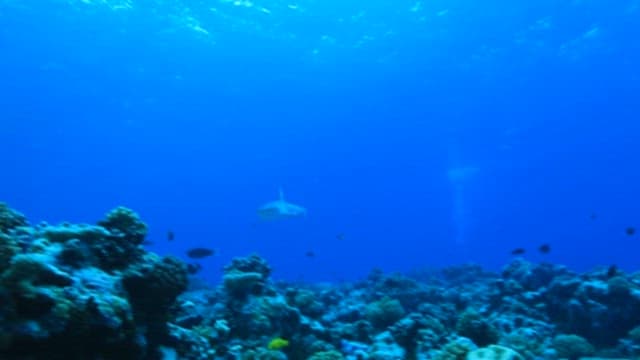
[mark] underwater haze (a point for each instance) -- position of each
(416, 134)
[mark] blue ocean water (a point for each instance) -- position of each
(416, 133)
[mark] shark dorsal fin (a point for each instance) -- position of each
(281, 194)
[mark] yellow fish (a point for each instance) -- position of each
(278, 343)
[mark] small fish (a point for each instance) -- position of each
(518, 251)
(199, 253)
(310, 254)
(593, 216)
(545, 248)
(612, 271)
(170, 235)
(630, 230)
(147, 243)
(193, 268)
(340, 236)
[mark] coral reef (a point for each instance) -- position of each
(327, 355)
(126, 223)
(572, 347)
(456, 349)
(384, 312)
(152, 287)
(506, 316)
(494, 352)
(10, 218)
(475, 327)
(63, 298)
(246, 276)
(8, 249)
(80, 291)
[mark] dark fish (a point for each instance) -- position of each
(545, 248)
(193, 268)
(310, 254)
(518, 251)
(340, 236)
(170, 235)
(593, 216)
(630, 230)
(612, 271)
(199, 253)
(147, 243)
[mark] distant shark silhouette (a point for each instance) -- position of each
(280, 209)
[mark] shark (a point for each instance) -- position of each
(280, 209)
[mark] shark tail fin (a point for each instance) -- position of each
(281, 193)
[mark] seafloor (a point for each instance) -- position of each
(92, 292)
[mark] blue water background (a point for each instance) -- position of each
(194, 113)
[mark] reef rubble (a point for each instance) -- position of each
(80, 291)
